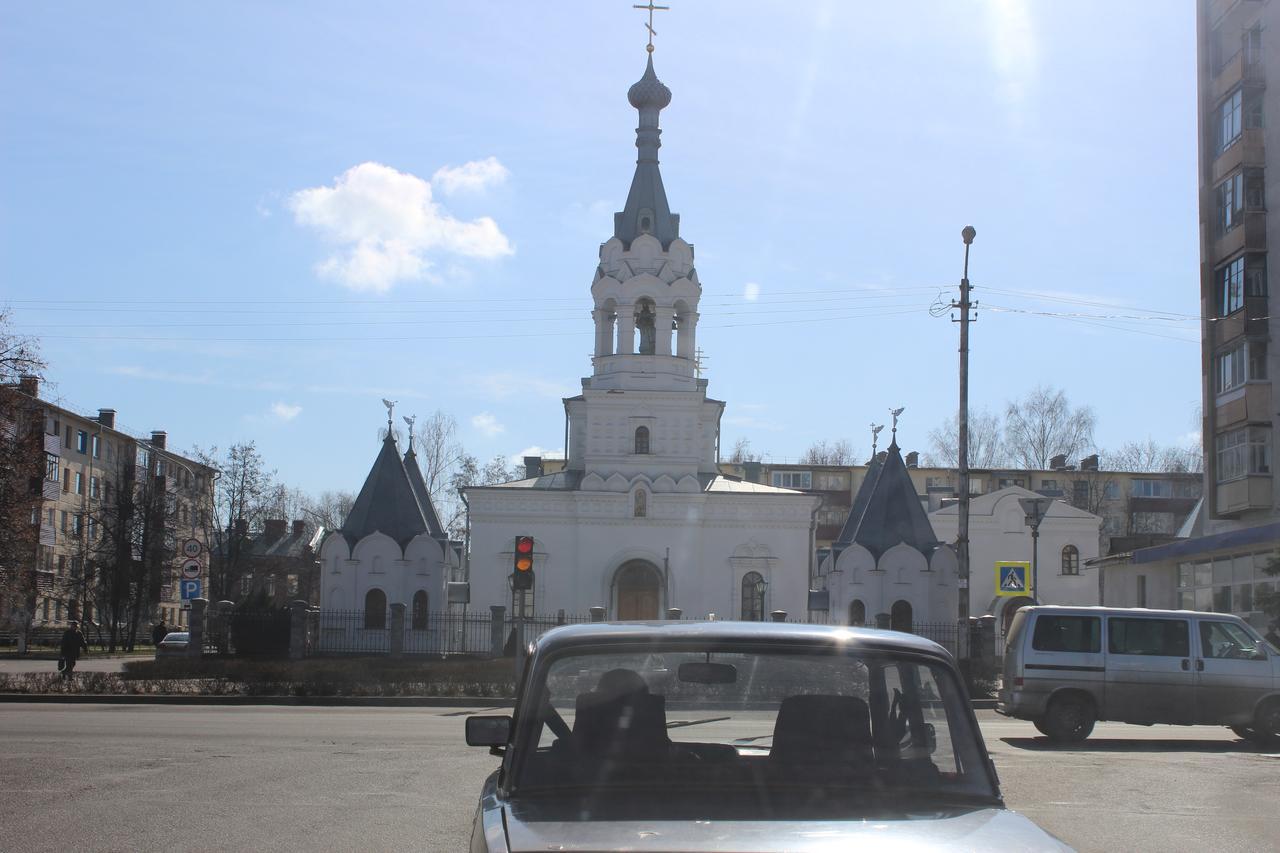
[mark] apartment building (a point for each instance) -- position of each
(1137, 508)
(86, 463)
(276, 565)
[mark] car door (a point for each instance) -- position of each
(1149, 673)
(1233, 671)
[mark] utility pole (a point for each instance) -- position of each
(962, 448)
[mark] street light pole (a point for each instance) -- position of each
(1035, 509)
(962, 449)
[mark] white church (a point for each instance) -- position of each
(641, 520)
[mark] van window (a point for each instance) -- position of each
(1226, 640)
(1162, 637)
(1067, 634)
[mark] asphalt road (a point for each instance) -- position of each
(148, 777)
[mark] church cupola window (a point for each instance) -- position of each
(641, 509)
(642, 440)
(375, 609)
(646, 326)
(646, 221)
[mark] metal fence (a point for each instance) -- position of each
(448, 634)
(248, 632)
(349, 632)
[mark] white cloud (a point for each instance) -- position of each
(470, 177)
(285, 411)
(504, 384)
(387, 226)
(1015, 52)
(487, 424)
(751, 292)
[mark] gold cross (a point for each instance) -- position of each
(649, 26)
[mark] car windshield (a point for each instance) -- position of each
(791, 725)
(176, 638)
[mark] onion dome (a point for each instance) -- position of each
(648, 93)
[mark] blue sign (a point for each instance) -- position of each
(190, 589)
(1013, 579)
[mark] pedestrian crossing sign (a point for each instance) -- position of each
(1013, 579)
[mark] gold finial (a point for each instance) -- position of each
(651, 8)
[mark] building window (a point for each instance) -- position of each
(1243, 451)
(93, 487)
(77, 524)
(1255, 193)
(82, 441)
(419, 611)
(642, 439)
(1230, 116)
(66, 479)
(62, 565)
(641, 509)
(857, 612)
(1230, 202)
(1049, 485)
(1111, 490)
(1257, 361)
(375, 609)
(1151, 489)
(66, 516)
(93, 528)
(97, 446)
(1231, 287)
(79, 483)
(1071, 560)
(753, 597)
(793, 479)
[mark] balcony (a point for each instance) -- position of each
(1245, 67)
(48, 535)
(1247, 150)
(1253, 405)
(1249, 235)
(52, 444)
(1247, 493)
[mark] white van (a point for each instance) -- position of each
(1067, 667)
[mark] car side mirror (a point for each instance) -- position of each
(490, 731)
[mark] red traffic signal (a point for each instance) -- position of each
(523, 562)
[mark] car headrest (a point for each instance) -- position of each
(822, 728)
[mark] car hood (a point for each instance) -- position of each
(990, 828)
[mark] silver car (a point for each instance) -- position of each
(717, 736)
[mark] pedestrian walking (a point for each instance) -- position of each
(73, 643)
(158, 633)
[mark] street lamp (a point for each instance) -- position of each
(1035, 509)
(760, 587)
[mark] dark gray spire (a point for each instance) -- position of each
(420, 490)
(387, 502)
(647, 211)
(887, 510)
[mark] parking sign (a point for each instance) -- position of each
(190, 589)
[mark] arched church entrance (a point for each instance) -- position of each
(637, 591)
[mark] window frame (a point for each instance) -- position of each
(1070, 560)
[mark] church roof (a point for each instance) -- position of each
(887, 511)
(388, 502)
(420, 490)
(647, 210)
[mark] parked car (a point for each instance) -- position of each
(717, 736)
(1067, 667)
(174, 644)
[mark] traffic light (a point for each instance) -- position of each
(522, 564)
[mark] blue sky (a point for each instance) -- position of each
(254, 220)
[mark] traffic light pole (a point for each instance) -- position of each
(520, 653)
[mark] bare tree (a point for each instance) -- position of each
(742, 452)
(1043, 425)
(436, 444)
(19, 354)
(986, 442)
(834, 453)
(241, 500)
(1150, 457)
(330, 509)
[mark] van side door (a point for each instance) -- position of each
(1233, 671)
(1149, 677)
(1065, 651)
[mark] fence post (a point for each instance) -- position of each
(882, 621)
(497, 622)
(298, 612)
(222, 613)
(597, 614)
(778, 615)
(195, 627)
(986, 636)
(674, 613)
(396, 644)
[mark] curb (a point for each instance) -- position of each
(315, 701)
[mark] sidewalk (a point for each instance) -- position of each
(48, 662)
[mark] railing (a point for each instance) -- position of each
(448, 634)
(347, 632)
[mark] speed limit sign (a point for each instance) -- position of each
(190, 569)
(192, 548)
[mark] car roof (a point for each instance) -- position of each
(596, 633)
(1096, 610)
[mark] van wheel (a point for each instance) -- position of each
(1069, 719)
(1266, 729)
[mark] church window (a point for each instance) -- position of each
(642, 503)
(420, 610)
(753, 586)
(857, 612)
(375, 609)
(1071, 560)
(642, 440)
(646, 221)
(900, 616)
